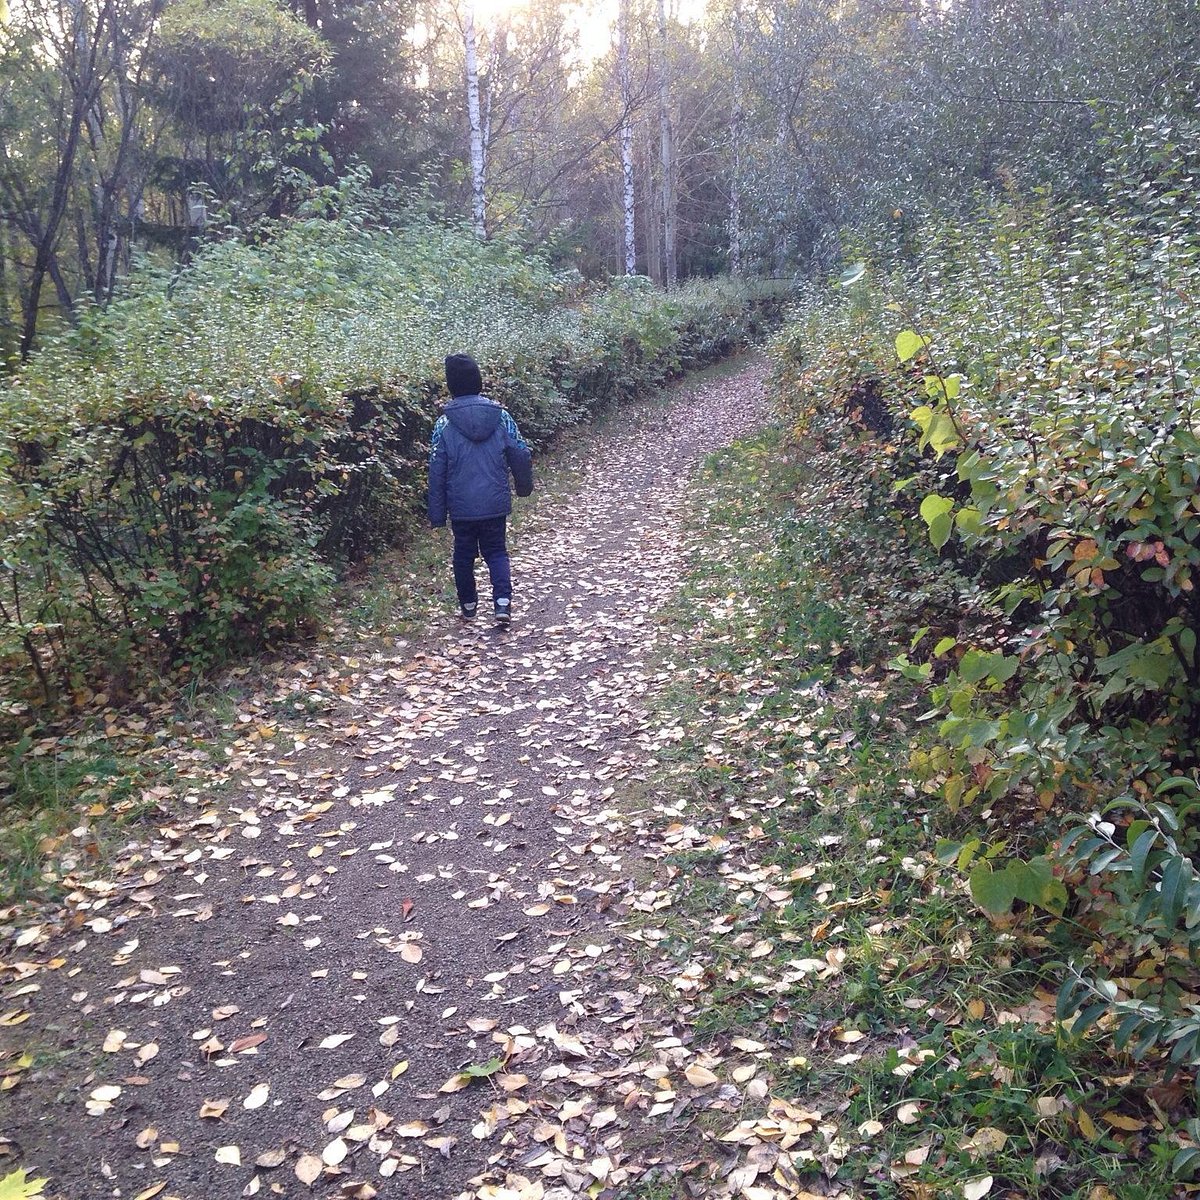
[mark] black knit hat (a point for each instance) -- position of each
(462, 375)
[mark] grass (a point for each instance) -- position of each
(930, 1039)
(67, 800)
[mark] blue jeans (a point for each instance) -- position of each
(471, 540)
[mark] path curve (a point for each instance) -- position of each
(412, 873)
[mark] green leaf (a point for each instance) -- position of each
(943, 388)
(946, 851)
(942, 435)
(17, 1186)
(1088, 1018)
(969, 520)
(909, 343)
(1185, 1162)
(1140, 853)
(934, 506)
(992, 890)
(935, 512)
(940, 529)
(483, 1070)
(1176, 876)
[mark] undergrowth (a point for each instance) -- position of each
(815, 914)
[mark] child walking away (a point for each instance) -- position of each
(476, 446)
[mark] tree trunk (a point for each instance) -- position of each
(670, 198)
(478, 210)
(736, 134)
(626, 137)
(650, 208)
(7, 276)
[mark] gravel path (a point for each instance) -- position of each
(387, 958)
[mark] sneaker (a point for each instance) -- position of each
(504, 611)
(467, 611)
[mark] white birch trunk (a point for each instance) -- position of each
(478, 211)
(736, 132)
(626, 137)
(667, 148)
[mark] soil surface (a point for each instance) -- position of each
(382, 947)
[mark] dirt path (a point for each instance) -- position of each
(418, 870)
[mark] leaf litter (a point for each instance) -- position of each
(419, 884)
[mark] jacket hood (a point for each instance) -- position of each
(475, 417)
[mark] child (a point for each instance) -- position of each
(476, 445)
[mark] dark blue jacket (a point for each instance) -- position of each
(475, 446)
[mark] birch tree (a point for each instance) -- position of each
(626, 90)
(669, 187)
(736, 134)
(478, 203)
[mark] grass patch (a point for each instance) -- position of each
(808, 905)
(66, 801)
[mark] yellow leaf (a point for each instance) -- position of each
(976, 1189)
(150, 1192)
(987, 1140)
(699, 1076)
(18, 1186)
(1087, 1126)
(1120, 1121)
(231, 1156)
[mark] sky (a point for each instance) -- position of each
(596, 19)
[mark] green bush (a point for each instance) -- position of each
(183, 474)
(1041, 371)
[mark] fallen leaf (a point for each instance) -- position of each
(335, 1152)
(309, 1168)
(1121, 1121)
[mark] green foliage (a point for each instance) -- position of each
(1050, 394)
(224, 67)
(183, 473)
